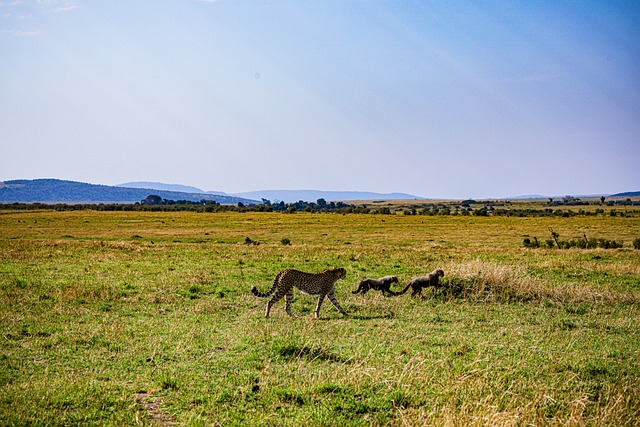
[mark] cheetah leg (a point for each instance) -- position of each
(335, 302)
(320, 299)
(271, 302)
(288, 298)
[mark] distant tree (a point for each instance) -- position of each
(602, 199)
(322, 203)
(481, 212)
(152, 199)
(555, 237)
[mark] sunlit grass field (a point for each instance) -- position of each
(141, 318)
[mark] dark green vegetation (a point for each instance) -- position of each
(584, 243)
(124, 318)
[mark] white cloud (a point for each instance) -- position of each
(23, 33)
(59, 6)
(33, 33)
(65, 8)
(10, 3)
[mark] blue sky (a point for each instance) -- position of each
(450, 99)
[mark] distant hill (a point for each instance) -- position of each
(540, 196)
(291, 196)
(169, 187)
(627, 194)
(164, 187)
(59, 191)
(528, 196)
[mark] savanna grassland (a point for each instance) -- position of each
(146, 318)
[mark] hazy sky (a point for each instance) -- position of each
(434, 98)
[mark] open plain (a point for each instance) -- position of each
(146, 318)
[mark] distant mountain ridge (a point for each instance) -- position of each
(627, 194)
(292, 196)
(59, 191)
(287, 196)
(161, 186)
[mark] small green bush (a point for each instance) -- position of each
(528, 243)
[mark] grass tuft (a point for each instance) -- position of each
(488, 281)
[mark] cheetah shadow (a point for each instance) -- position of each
(372, 317)
(356, 317)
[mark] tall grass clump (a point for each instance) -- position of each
(491, 281)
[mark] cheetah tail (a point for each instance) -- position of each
(404, 290)
(259, 294)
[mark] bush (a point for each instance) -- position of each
(248, 241)
(636, 243)
(584, 243)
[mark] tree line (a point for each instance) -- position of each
(155, 203)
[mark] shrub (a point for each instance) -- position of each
(248, 241)
(580, 243)
(609, 244)
(636, 243)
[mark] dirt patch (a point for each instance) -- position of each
(153, 407)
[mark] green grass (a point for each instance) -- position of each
(116, 318)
